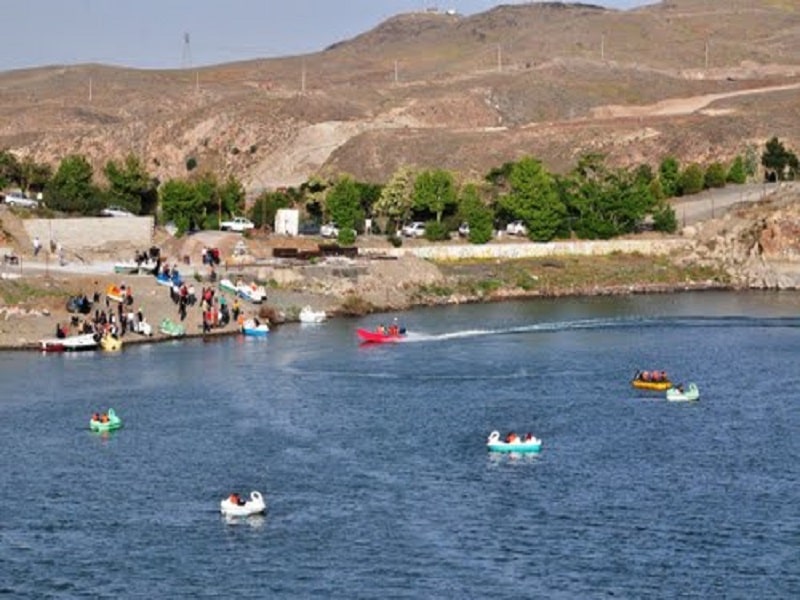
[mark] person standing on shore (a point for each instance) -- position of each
(37, 245)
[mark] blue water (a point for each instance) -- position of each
(373, 463)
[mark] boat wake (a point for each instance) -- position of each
(611, 324)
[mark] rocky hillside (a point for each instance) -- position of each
(700, 79)
(757, 245)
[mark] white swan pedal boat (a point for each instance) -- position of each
(308, 315)
(495, 444)
(254, 506)
(678, 394)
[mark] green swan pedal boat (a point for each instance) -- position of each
(113, 423)
(681, 394)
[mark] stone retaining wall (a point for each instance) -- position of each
(92, 233)
(531, 249)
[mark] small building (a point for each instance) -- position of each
(287, 221)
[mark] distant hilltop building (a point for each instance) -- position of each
(434, 10)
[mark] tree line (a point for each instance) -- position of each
(591, 201)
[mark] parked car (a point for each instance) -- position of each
(516, 228)
(309, 228)
(415, 229)
(116, 211)
(20, 199)
(331, 230)
(463, 229)
(239, 224)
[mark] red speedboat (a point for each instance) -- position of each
(377, 337)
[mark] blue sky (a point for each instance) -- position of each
(149, 34)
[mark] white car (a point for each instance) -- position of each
(116, 211)
(239, 224)
(331, 230)
(19, 199)
(516, 228)
(415, 229)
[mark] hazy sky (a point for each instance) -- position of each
(150, 33)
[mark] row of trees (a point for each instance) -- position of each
(592, 201)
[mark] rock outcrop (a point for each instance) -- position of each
(758, 246)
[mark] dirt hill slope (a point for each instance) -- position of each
(463, 92)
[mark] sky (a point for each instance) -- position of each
(151, 34)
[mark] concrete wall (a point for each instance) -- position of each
(531, 249)
(93, 233)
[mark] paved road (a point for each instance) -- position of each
(715, 203)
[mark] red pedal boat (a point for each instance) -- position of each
(377, 337)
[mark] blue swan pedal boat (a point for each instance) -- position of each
(517, 444)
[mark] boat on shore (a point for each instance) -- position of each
(681, 394)
(513, 443)
(71, 343)
(170, 328)
(252, 292)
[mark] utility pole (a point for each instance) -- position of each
(90, 90)
(603, 47)
(396, 75)
(708, 44)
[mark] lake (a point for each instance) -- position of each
(373, 462)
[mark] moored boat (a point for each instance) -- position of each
(109, 343)
(513, 443)
(233, 507)
(254, 328)
(308, 315)
(71, 343)
(681, 394)
(106, 422)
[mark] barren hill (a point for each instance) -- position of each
(699, 79)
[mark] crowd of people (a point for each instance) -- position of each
(115, 320)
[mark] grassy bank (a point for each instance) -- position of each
(558, 276)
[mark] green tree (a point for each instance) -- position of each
(435, 192)
(396, 200)
(131, 186)
(343, 205)
(10, 169)
(476, 214)
(34, 177)
(664, 218)
(266, 206)
(533, 198)
(71, 188)
(669, 172)
(779, 162)
(609, 203)
(181, 204)
(692, 180)
(232, 196)
(715, 176)
(737, 172)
